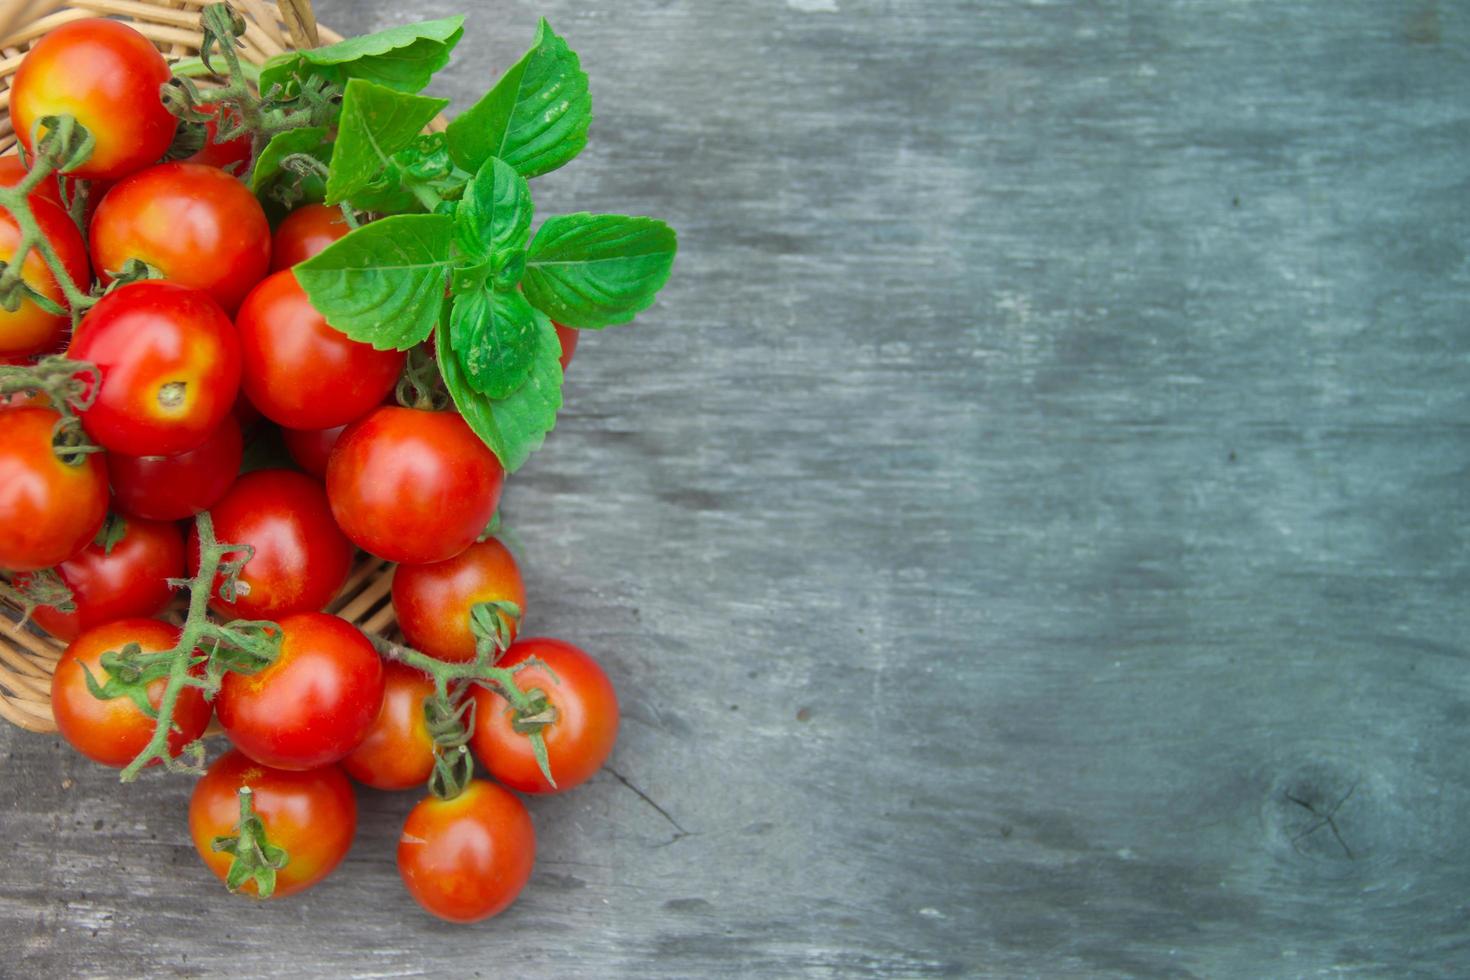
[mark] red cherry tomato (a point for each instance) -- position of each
(434, 601)
(198, 225)
(49, 509)
(398, 752)
(578, 742)
(302, 373)
(301, 560)
(467, 859)
(231, 156)
(312, 447)
(107, 75)
(413, 486)
(312, 815)
(304, 233)
(568, 337)
(170, 363)
(130, 582)
(114, 731)
(13, 170)
(30, 329)
(172, 488)
(311, 707)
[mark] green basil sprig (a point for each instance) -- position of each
(386, 282)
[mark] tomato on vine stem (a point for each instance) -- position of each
(467, 859)
(115, 730)
(582, 706)
(196, 224)
(301, 559)
(311, 707)
(311, 815)
(30, 329)
(108, 76)
(434, 602)
(50, 508)
(127, 582)
(398, 752)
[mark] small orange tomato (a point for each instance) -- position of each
(398, 752)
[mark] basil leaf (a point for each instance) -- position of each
(515, 426)
(402, 58)
(308, 139)
(494, 337)
(536, 116)
(376, 123)
(383, 283)
(495, 212)
(595, 270)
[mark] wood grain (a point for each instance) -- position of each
(1029, 535)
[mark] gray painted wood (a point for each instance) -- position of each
(1047, 465)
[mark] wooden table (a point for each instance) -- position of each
(1029, 536)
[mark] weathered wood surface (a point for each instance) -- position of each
(1048, 464)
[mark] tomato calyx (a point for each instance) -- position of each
(28, 590)
(421, 385)
(70, 387)
(256, 858)
(450, 718)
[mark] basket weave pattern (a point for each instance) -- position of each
(27, 656)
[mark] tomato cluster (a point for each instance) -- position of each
(217, 348)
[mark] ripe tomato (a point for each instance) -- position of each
(49, 509)
(301, 560)
(171, 488)
(312, 447)
(467, 859)
(304, 233)
(568, 337)
(107, 75)
(231, 156)
(302, 373)
(197, 224)
(398, 752)
(311, 815)
(413, 486)
(170, 363)
(130, 582)
(13, 170)
(30, 329)
(314, 705)
(434, 601)
(114, 731)
(578, 742)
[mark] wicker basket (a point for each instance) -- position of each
(27, 657)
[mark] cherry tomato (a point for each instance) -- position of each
(30, 329)
(107, 75)
(578, 742)
(312, 447)
(301, 560)
(304, 233)
(314, 705)
(467, 859)
(170, 363)
(413, 486)
(198, 225)
(171, 488)
(49, 509)
(568, 337)
(434, 601)
(13, 170)
(311, 815)
(302, 373)
(114, 731)
(231, 156)
(130, 582)
(398, 752)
